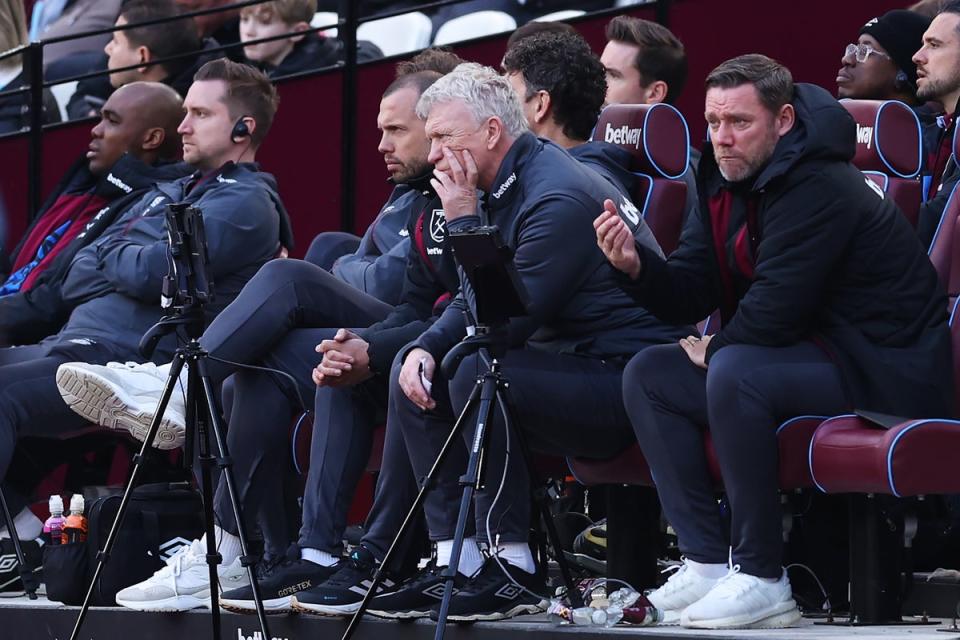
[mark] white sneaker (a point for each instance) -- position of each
(126, 396)
(741, 601)
(682, 589)
(183, 584)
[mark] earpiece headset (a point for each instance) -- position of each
(240, 130)
(901, 81)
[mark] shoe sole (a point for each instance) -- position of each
(780, 616)
(398, 615)
(329, 610)
(177, 603)
(276, 605)
(101, 402)
(520, 609)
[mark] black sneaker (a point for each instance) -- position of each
(11, 584)
(342, 593)
(416, 596)
(491, 595)
(278, 582)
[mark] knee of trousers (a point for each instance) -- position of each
(726, 372)
(280, 272)
(465, 379)
(645, 378)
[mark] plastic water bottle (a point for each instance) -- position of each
(75, 526)
(53, 527)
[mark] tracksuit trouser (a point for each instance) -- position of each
(742, 398)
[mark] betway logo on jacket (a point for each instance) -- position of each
(506, 185)
(865, 135)
(118, 183)
(256, 635)
(623, 135)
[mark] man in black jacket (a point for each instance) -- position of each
(828, 304)
(131, 148)
(564, 361)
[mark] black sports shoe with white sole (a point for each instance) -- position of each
(416, 596)
(278, 583)
(342, 593)
(491, 595)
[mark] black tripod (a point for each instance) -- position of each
(202, 419)
(27, 576)
(486, 395)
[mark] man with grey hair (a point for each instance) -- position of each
(564, 360)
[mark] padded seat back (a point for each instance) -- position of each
(399, 34)
(890, 150)
(474, 25)
(945, 247)
(657, 138)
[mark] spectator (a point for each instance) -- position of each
(131, 148)
(927, 8)
(560, 83)
(580, 327)
(79, 16)
(144, 45)
(645, 63)
(299, 53)
(880, 65)
(222, 27)
(813, 324)
(938, 80)
(15, 108)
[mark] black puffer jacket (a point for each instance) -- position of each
(824, 257)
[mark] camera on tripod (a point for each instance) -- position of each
(187, 284)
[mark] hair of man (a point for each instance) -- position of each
(563, 65)
(249, 93)
(438, 59)
(772, 80)
(166, 39)
(288, 11)
(484, 93)
(661, 55)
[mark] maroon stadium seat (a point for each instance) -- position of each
(889, 150)
(658, 141)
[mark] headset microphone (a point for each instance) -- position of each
(240, 130)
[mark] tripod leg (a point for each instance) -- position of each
(104, 554)
(415, 508)
(225, 465)
(469, 480)
(27, 577)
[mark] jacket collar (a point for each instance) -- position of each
(506, 185)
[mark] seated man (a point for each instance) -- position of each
(813, 323)
(131, 148)
(880, 65)
(561, 85)
(141, 46)
(278, 321)
(938, 80)
(580, 331)
(115, 282)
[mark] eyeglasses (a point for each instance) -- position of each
(861, 52)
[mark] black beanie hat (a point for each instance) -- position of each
(900, 33)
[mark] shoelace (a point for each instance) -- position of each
(734, 583)
(679, 578)
(349, 573)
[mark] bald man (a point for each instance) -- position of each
(133, 146)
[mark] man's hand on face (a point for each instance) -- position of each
(418, 362)
(696, 349)
(457, 191)
(616, 241)
(345, 361)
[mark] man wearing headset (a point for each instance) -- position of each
(116, 280)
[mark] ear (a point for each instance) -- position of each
(785, 119)
(657, 92)
(145, 56)
(494, 129)
(300, 27)
(152, 139)
(544, 103)
(251, 126)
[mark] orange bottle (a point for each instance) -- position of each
(75, 525)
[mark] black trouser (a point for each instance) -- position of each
(746, 393)
(330, 245)
(30, 403)
(565, 405)
(280, 316)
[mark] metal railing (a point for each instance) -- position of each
(349, 20)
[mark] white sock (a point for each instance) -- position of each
(470, 557)
(227, 544)
(317, 556)
(28, 525)
(708, 570)
(518, 554)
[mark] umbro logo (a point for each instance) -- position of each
(508, 592)
(8, 562)
(436, 591)
(169, 548)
